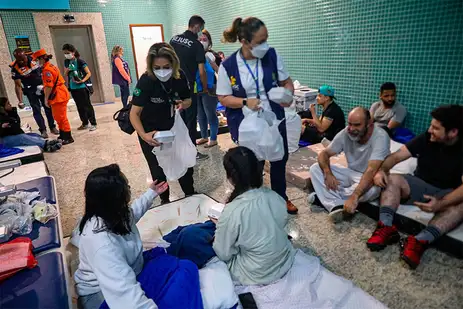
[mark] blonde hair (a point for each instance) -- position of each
(116, 50)
(163, 50)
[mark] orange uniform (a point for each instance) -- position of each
(50, 76)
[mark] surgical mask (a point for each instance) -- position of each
(68, 56)
(205, 45)
(260, 50)
(163, 74)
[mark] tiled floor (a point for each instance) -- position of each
(437, 283)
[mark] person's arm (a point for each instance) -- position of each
(88, 74)
(324, 161)
(203, 75)
(183, 91)
(320, 125)
(395, 158)
(284, 80)
(135, 120)
(18, 89)
(47, 92)
(225, 238)
(118, 281)
(225, 93)
(373, 109)
(435, 204)
(398, 118)
(211, 59)
(142, 204)
(120, 68)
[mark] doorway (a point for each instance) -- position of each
(82, 38)
(143, 36)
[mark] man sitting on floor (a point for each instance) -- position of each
(332, 120)
(340, 189)
(436, 186)
(388, 113)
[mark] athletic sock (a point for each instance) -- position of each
(386, 215)
(429, 234)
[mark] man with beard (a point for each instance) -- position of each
(435, 187)
(340, 189)
(388, 113)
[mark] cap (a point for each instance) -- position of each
(326, 90)
(39, 53)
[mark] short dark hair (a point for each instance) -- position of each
(450, 116)
(107, 197)
(72, 49)
(243, 169)
(387, 86)
(196, 20)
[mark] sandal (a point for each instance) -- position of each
(210, 145)
(202, 141)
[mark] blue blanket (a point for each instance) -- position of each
(5, 151)
(192, 242)
(170, 282)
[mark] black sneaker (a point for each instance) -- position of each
(201, 156)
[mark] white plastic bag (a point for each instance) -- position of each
(293, 129)
(259, 132)
(176, 160)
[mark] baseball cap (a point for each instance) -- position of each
(326, 90)
(39, 53)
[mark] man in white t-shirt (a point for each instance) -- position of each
(340, 189)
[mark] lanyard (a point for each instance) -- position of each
(255, 77)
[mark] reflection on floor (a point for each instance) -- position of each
(435, 284)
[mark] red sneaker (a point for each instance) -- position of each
(382, 237)
(413, 250)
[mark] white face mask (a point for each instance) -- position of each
(260, 50)
(68, 56)
(205, 45)
(163, 74)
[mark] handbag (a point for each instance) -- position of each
(122, 117)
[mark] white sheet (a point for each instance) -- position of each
(309, 285)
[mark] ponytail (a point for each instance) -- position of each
(243, 169)
(242, 29)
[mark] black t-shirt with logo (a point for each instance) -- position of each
(190, 52)
(158, 112)
(439, 165)
(30, 74)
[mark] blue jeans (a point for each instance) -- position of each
(36, 103)
(23, 140)
(207, 114)
(125, 92)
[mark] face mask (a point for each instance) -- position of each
(205, 45)
(260, 50)
(163, 74)
(68, 56)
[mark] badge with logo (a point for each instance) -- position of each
(47, 74)
(233, 83)
(136, 92)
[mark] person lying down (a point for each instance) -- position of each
(266, 269)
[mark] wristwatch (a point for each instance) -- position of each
(245, 102)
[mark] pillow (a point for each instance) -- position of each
(406, 167)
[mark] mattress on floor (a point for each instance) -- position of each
(24, 173)
(30, 154)
(161, 220)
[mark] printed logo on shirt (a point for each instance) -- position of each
(47, 74)
(136, 92)
(157, 100)
(183, 41)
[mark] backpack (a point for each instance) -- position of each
(122, 117)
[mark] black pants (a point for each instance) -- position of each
(186, 181)
(190, 115)
(125, 92)
(311, 135)
(84, 106)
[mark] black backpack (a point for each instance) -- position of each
(122, 117)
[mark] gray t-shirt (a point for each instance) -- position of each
(383, 115)
(358, 155)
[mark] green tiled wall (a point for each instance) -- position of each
(117, 15)
(356, 45)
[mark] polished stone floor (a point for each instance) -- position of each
(437, 283)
